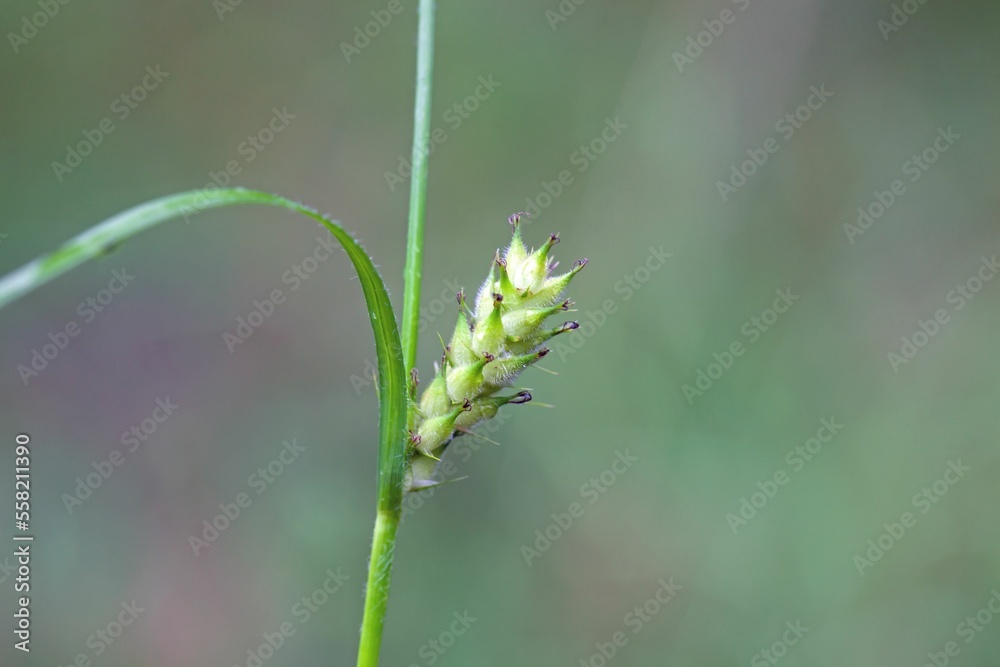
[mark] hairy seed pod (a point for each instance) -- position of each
(490, 347)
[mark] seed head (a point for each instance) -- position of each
(490, 347)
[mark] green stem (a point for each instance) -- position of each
(418, 183)
(377, 591)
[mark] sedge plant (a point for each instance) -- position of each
(498, 336)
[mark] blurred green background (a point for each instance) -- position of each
(672, 516)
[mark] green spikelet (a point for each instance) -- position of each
(436, 432)
(551, 290)
(488, 336)
(536, 340)
(502, 371)
(489, 348)
(487, 408)
(516, 252)
(459, 351)
(523, 322)
(435, 399)
(484, 297)
(467, 381)
(506, 287)
(535, 269)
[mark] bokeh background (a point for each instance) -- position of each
(303, 374)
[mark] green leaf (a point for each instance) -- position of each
(391, 376)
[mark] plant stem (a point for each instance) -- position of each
(377, 592)
(418, 183)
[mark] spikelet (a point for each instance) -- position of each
(490, 347)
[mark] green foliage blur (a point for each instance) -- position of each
(775, 433)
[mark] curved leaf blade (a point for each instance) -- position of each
(391, 374)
